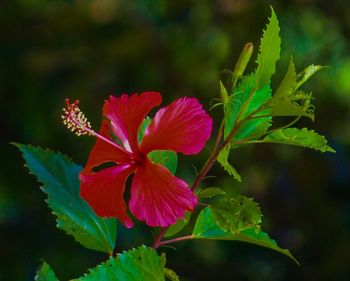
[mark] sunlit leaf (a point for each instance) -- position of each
(210, 192)
(223, 160)
(142, 263)
(288, 83)
(307, 73)
(59, 176)
(206, 228)
(300, 137)
(285, 107)
(269, 51)
(246, 101)
(236, 213)
(45, 273)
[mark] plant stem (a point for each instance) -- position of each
(207, 166)
(164, 242)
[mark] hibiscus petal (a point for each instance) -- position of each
(158, 197)
(127, 113)
(103, 152)
(182, 126)
(104, 192)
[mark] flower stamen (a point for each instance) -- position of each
(75, 120)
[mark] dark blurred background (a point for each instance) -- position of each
(88, 49)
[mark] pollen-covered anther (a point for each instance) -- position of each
(75, 120)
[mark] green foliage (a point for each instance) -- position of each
(142, 263)
(206, 228)
(270, 48)
(166, 158)
(245, 102)
(45, 273)
(178, 226)
(288, 83)
(300, 137)
(59, 176)
(234, 214)
(307, 74)
(223, 160)
(210, 192)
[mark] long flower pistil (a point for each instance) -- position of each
(75, 120)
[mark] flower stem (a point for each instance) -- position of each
(206, 167)
(165, 242)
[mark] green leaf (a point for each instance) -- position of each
(270, 48)
(223, 160)
(285, 107)
(142, 129)
(246, 102)
(142, 263)
(307, 74)
(178, 226)
(171, 275)
(288, 83)
(210, 192)
(166, 158)
(45, 273)
(59, 176)
(206, 228)
(300, 137)
(234, 214)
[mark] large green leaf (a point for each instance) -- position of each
(246, 101)
(138, 264)
(270, 48)
(300, 137)
(59, 176)
(223, 160)
(45, 273)
(236, 213)
(206, 228)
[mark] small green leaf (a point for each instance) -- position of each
(246, 101)
(178, 226)
(270, 48)
(300, 137)
(60, 178)
(288, 83)
(142, 263)
(223, 160)
(307, 74)
(45, 273)
(143, 128)
(284, 107)
(223, 93)
(171, 275)
(206, 228)
(234, 214)
(210, 192)
(166, 158)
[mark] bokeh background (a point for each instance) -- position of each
(87, 49)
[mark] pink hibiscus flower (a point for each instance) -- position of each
(157, 197)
